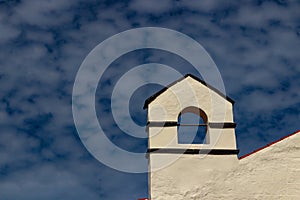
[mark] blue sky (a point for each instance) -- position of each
(255, 44)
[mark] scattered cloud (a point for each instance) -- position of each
(254, 44)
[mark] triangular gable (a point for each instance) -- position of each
(154, 96)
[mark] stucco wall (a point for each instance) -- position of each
(190, 93)
(272, 173)
(181, 179)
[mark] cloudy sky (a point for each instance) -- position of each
(255, 45)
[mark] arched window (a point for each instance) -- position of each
(192, 126)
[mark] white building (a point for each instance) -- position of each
(212, 170)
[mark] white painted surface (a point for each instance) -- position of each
(190, 93)
(180, 173)
(272, 173)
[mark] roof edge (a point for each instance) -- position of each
(154, 96)
(268, 145)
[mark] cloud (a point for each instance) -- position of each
(42, 13)
(151, 7)
(7, 32)
(255, 46)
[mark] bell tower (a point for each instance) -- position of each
(177, 168)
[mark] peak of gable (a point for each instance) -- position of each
(154, 96)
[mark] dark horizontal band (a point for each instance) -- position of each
(195, 151)
(222, 125)
(162, 124)
(174, 123)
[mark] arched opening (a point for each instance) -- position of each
(192, 126)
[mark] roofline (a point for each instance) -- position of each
(268, 145)
(154, 96)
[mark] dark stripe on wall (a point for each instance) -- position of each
(162, 124)
(195, 151)
(222, 125)
(174, 123)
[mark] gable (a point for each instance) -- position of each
(167, 104)
(154, 96)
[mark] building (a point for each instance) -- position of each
(211, 169)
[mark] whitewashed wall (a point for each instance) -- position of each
(272, 173)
